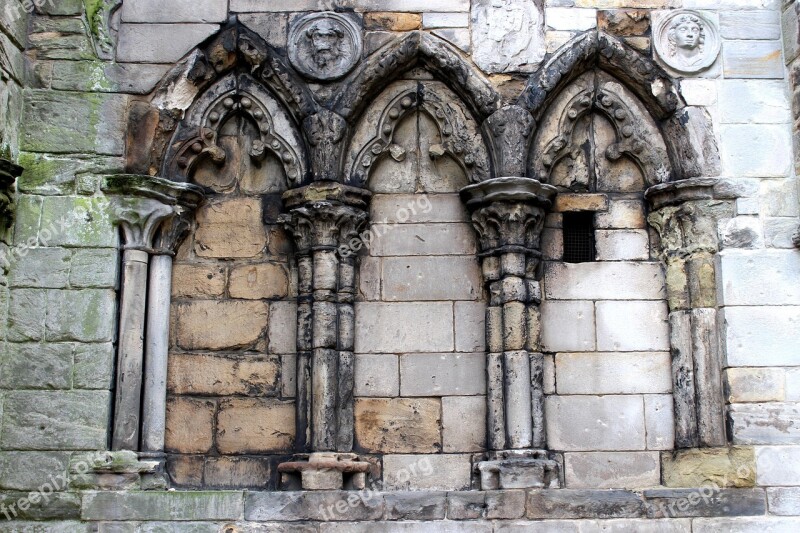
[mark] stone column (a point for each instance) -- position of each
(324, 218)
(685, 214)
(140, 204)
(508, 214)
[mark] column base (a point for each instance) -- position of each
(118, 470)
(324, 471)
(520, 469)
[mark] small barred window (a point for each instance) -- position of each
(578, 231)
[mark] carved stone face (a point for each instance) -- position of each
(324, 46)
(326, 43)
(687, 34)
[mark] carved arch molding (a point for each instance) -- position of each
(308, 130)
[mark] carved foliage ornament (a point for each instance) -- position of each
(324, 46)
(686, 41)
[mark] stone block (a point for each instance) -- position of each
(442, 374)
(255, 426)
(282, 327)
(61, 122)
(761, 277)
(21, 505)
(27, 309)
(259, 281)
(237, 472)
(571, 19)
(213, 375)
(752, 59)
(369, 278)
(699, 92)
(415, 505)
(77, 221)
(431, 278)
(272, 29)
(632, 326)
(218, 325)
(461, 39)
(86, 315)
(186, 470)
(31, 470)
(190, 425)
(764, 423)
(779, 198)
(778, 232)
(198, 280)
(458, 435)
(611, 470)
(753, 101)
(14, 21)
(230, 229)
(762, 336)
(94, 366)
(778, 465)
(392, 21)
(754, 385)
(522, 25)
(741, 232)
(64, 420)
(94, 268)
(417, 208)
(604, 281)
(677, 503)
(288, 375)
(101, 77)
(470, 318)
(427, 472)
(444, 20)
(423, 239)
(173, 505)
(180, 11)
(569, 202)
(595, 423)
(621, 214)
(755, 150)
(702, 467)
(398, 425)
(745, 525)
(763, 24)
(567, 326)
(659, 418)
(377, 375)
(576, 503)
(613, 373)
(784, 501)
(404, 327)
(621, 245)
(327, 505)
(41, 268)
(48, 174)
(552, 244)
(792, 389)
(160, 43)
(36, 366)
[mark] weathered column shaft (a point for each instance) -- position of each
(130, 358)
(347, 331)
(304, 333)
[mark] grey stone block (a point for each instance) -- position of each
(760, 277)
(32, 470)
(69, 420)
(406, 527)
(612, 470)
(463, 424)
(602, 423)
(762, 336)
(752, 59)
(470, 326)
(778, 465)
(505, 504)
(445, 20)
(431, 278)
(99, 77)
(282, 327)
(784, 501)
(179, 11)
(85, 315)
(41, 268)
(755, 101)
(427, 472)
(749, 150)
(20, 505)
(613, 373)
(404, 327)
(746, 525)
(417, 208)
(61, 122)
(77, 221)
(466, 505)
(36, 366)
(27, 309)
(377, 375)
(415, 505)
(94, 366)
(423, 239)
(568, 326)
(778, 232)
(761, 24)
(632, 326)
(198, 505)
(95, 268)
(160, 43)
(442, 374)
(706, 501)
(764, 423)
(574, 503)
(659, 417)
(320, 505)
(604, 281)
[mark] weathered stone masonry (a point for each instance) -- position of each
(303, 249)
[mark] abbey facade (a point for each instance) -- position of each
(399, 265)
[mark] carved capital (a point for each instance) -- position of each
(140, 204)
(510, 130)
(9, 172)
(508, 213)
(325, 131)
(173, 231)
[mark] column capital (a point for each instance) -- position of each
(510, 129)
(140, 204)
(508, 213)
(9, 172)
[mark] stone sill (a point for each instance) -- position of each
(349, 506)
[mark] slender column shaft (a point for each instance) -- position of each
(325, 366)
(130, 356)
(346, 346)
(304, 333)
(154, 411)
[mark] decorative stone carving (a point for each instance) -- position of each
(104, 25)
(325, 131)
(507, 35)
(510, 129)
(324, 46)
(686, 41)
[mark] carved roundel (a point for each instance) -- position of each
(686, 41)
(324, 46)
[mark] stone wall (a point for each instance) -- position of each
(420, 349)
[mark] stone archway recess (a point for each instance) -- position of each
(508, 208)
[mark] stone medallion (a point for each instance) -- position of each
(686, 41)
(324, 46)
